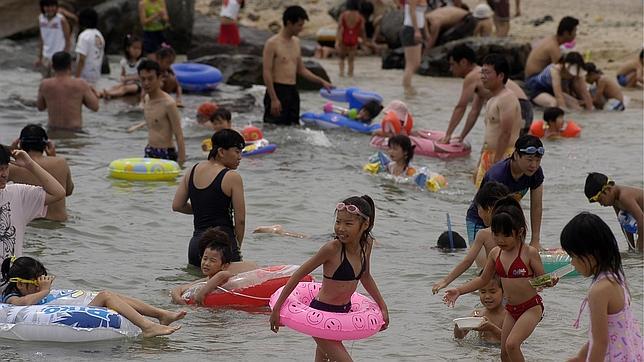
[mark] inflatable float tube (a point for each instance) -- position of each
(334, 120)
(249, 289)
(255, 148)
(427, 145)
(64, 318)
(421, 177)
(554, 259)
(363, 320)
(144, 169)
(569, 130)
(356, 97)
(196, 77)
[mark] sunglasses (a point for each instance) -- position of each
(352, 209)
(26, 281)
(608, 184)
(532, 150)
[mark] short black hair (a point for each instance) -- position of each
(293, 14)
(221, 113)
(551, 114)
(165, 52)
(526, 141)
(33, 138)
(567, 25)
(61, 61)
(88, 18)
(573, 58)
(490, 193)
(215, 238)
(592, 68)
(462, 51)
(457, 241)
(147, 64)
(499, 63)
(5, 155)
(373, 108)
(226, 138)
(44, 3)
(595, 182)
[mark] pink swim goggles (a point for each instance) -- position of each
(352, 209)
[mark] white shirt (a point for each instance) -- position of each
(53, 36)
(91, 44)
(420, 16)
(19, 204)
(130, 69)
(230, 9)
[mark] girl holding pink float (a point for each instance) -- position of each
(345, 261)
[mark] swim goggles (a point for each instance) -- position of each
(532, 150)
(352, 209)
(608, 184)
(26, 281)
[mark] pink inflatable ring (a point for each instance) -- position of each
(364, 319)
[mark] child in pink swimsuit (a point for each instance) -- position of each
(614, 333)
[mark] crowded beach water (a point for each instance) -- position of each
(123, 236)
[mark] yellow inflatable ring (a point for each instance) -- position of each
(144, 169)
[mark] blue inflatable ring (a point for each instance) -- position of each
(196, 77)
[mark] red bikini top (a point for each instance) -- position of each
(518, 269)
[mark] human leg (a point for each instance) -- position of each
(522, 329)
(341, 55)
(545, 100)
(412, 62)
(508, 324)
(165, 317)
(333, 350)
(351, 55)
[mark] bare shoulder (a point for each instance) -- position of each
(532, 251)
(602, 287)
(331, 246)
(272, 40)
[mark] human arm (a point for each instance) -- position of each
(80, 65)
(179, 101)
(303, 71)
(598, 303)
(505, 128)
(69, 183)
(180, 202)
(488, 326)
(177, 292)
(477, 283)
(44, 287)
(268, 55)
(41, 103)
(536, 211)
(370, 286)
(90, 99)
(175, 125)
(136, 126)
(434, 29)
(218, 279)
(472, 117)
(463, 265)
(339, 31)
(53, 189)
(555, 75)
(631, 206)
(67, 33)
(467, 91)
(239, 204)
(38, 61)
(599, 91)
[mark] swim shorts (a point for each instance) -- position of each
(316, 304)
(162, 153)
(290, 100)
(407, 36)
(473, 226)
(487, 158)
(622, 79)
(501, 9)
(527, 115)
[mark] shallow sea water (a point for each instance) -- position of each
(123, 236)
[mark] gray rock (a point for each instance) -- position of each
(393, 59)
(390, 26)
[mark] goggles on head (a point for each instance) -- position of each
(352, 209)
(532, 150)
(608, 184)
(21, 280)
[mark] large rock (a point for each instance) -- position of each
(390, 26)
(118, 18)
(393, 59)
(245, 70)
(435, 62)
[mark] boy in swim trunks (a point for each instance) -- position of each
(627, 201)
(604, 89)
(630, 74)
(491, 296)
(281, 63)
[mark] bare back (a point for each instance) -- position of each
(286, 56)
(63, 97)
(503, 105)
(157, 117)
(545, 52)
(446, 16)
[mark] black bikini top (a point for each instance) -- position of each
(345, 271)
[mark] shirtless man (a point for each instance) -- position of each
(441, 19)
(630, 73)
(547, 51)
(64, 96)
(462, 64)
(282, 62)
(34, 140)
(502, 115)
(161, 116)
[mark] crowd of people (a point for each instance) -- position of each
(34, 180)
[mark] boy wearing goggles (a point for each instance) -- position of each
(627, 201)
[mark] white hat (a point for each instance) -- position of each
(482, 11)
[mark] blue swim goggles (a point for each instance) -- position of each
(532, 150)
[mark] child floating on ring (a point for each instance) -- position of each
(554, 126)
(27, 283)
(493, 313)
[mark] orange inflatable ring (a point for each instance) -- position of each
(392, 124)
(570, 129)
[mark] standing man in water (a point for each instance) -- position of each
(502, 116)
(161, 116)
(63, 96)
(282, 62)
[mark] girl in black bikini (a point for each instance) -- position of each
(345, 262)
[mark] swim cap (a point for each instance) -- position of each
(207, 109)
(252, 133)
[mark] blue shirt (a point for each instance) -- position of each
(502, 173)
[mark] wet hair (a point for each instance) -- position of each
(526, 141)
(61, 61)
(33, 138)
(460, 52)
(44, 3)
(353, 4)
(443, 241)
(567, 25)
(88, 19)
(373, 108)
(221, 113)
(592, 68)
(147, 64)
(588, 235)
(490, 193)
(293, 14)
(165, 52)
(551, 114)
(216, 239)
(226, 138)
(366, 206)
(405, 143)
(573, 58)
(127, 43)
(500, 65)
(508, 218)
(5, 155)
(595, 182)
(23, 267)
(495, 277)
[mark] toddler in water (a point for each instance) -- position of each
(216, 265)
(524, 305)
(627, 201)
(165, 57)
(614, 333)
(350, 30)
(130, 83)
(553, 122)
(27, 283)
(605, 91)
(491, 296)
(345, 261)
